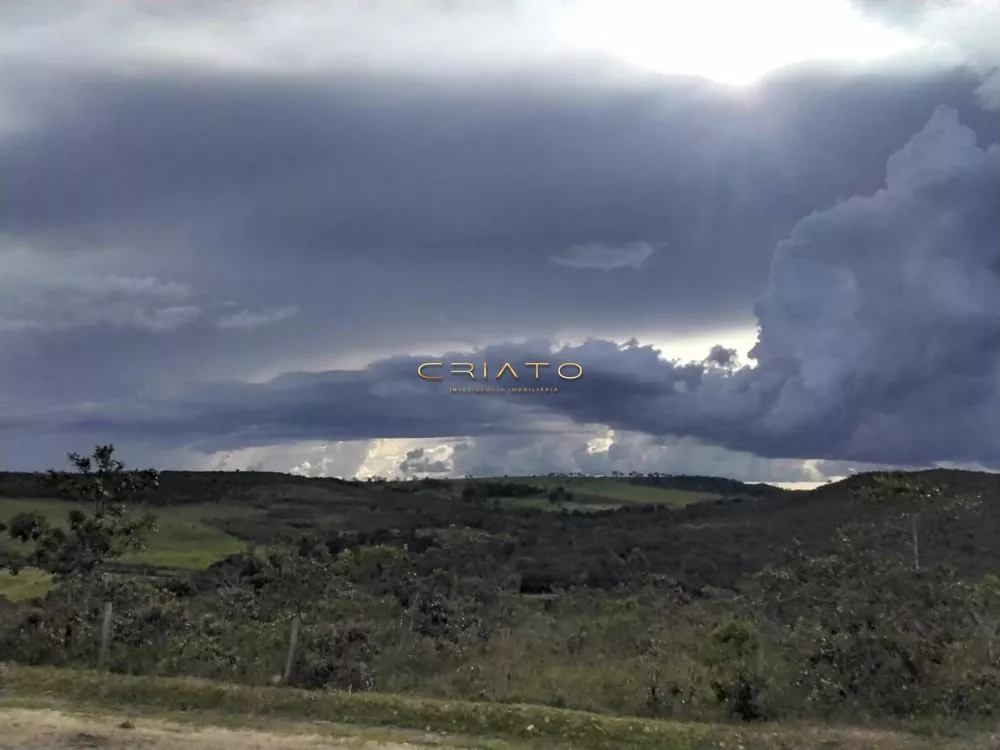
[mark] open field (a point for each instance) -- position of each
(188, 538)
(615, 491)
(184, 539)
(47, 708)
(583, 505)
(27, 584)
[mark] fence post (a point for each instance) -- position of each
(102, 658)
(504, 663)
(292, 643)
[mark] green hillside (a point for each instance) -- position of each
(689, 598)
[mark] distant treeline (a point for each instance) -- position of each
(178, 487)
(712, 485)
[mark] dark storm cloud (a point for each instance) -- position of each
(314, 181)
(178, 208)
(878, 342)
(721, 357)
(387, 211)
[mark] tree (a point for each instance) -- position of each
(870, 633)
(90, 540)
(911, 501)
(103, 480)
(732, 658)
(291, 582)
(560, 495)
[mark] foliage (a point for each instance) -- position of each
(732, 654)
(102, 479)
(336, 657)
(93, 539)
(426, 588)
(560, 494)
(871, 635)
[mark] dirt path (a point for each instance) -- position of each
(31, 729)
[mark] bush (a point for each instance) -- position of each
(335, 657)
(731, 656)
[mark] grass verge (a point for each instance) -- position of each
(525, 725)
(52, 726)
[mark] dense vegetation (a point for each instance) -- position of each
(691, 597)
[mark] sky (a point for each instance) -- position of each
(230, 231)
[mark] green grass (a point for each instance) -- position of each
(27, 584)
(185, 538)
(54, 511)
(528, 725)
(618, 490)
(543, 503)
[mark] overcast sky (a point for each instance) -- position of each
(230, 231)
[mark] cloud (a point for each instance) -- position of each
(898, 12)
(604, 257)
(406, 190)
(877, 344)
(164, 318)
(882, 310)
(46, 295)
(285, 35)
(426, 461)
(602, 451)
(246, 320)
(967, 29)
(971, 27)
(596, 450)
(514, 169)
(37, 295)
(720, 356)
(152, 320)
(125, 286)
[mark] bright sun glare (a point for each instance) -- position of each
(732, 41)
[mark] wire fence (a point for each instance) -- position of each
(310, 649)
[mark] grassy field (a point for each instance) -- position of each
(615, 492)
(584, 505)
(443, 723)
(185, 539)
(27, 584)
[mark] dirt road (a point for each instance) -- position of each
(31, 729)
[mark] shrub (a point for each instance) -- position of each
(731, 655)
